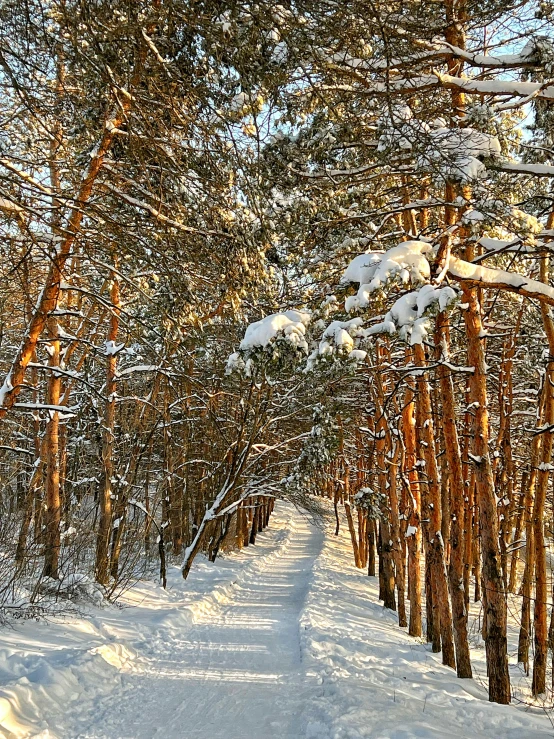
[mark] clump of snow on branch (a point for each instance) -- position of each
(453, 153)
(410, 314)
(458, 152)
(404, 263)
(492, 276)
(289, 326)
(111, 348)
(362, 268)
(244, 103)
(498, 219)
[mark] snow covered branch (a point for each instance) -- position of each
(489, 277)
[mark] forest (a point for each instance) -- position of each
(261, 258)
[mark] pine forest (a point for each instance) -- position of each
(276, 369)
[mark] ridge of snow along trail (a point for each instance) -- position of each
(285, 639)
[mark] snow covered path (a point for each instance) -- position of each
(237, 673)
(284, 640)
(217, 656)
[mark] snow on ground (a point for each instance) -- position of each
(285, 639)
(379, 682)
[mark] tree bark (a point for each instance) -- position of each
(53, 506)
(457, 495)
(436, 544)
(108, 427)
(386, 558)
(398, 550)
(496, 617)
(371, 548)
(413, 531)
(543, 475)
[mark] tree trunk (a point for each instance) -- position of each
(352, 530)
(516, 541)
(457, 495)
(108, 425)
(529, 569)
(371, 547)
(49, 294)
(413, 531)
(398, 549)
(53, 507)
(254, 529)
(386, 558)
(436, 544)
(543, 475)
(496, 631)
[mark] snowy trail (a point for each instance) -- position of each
(284, 640)
(237, 672)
